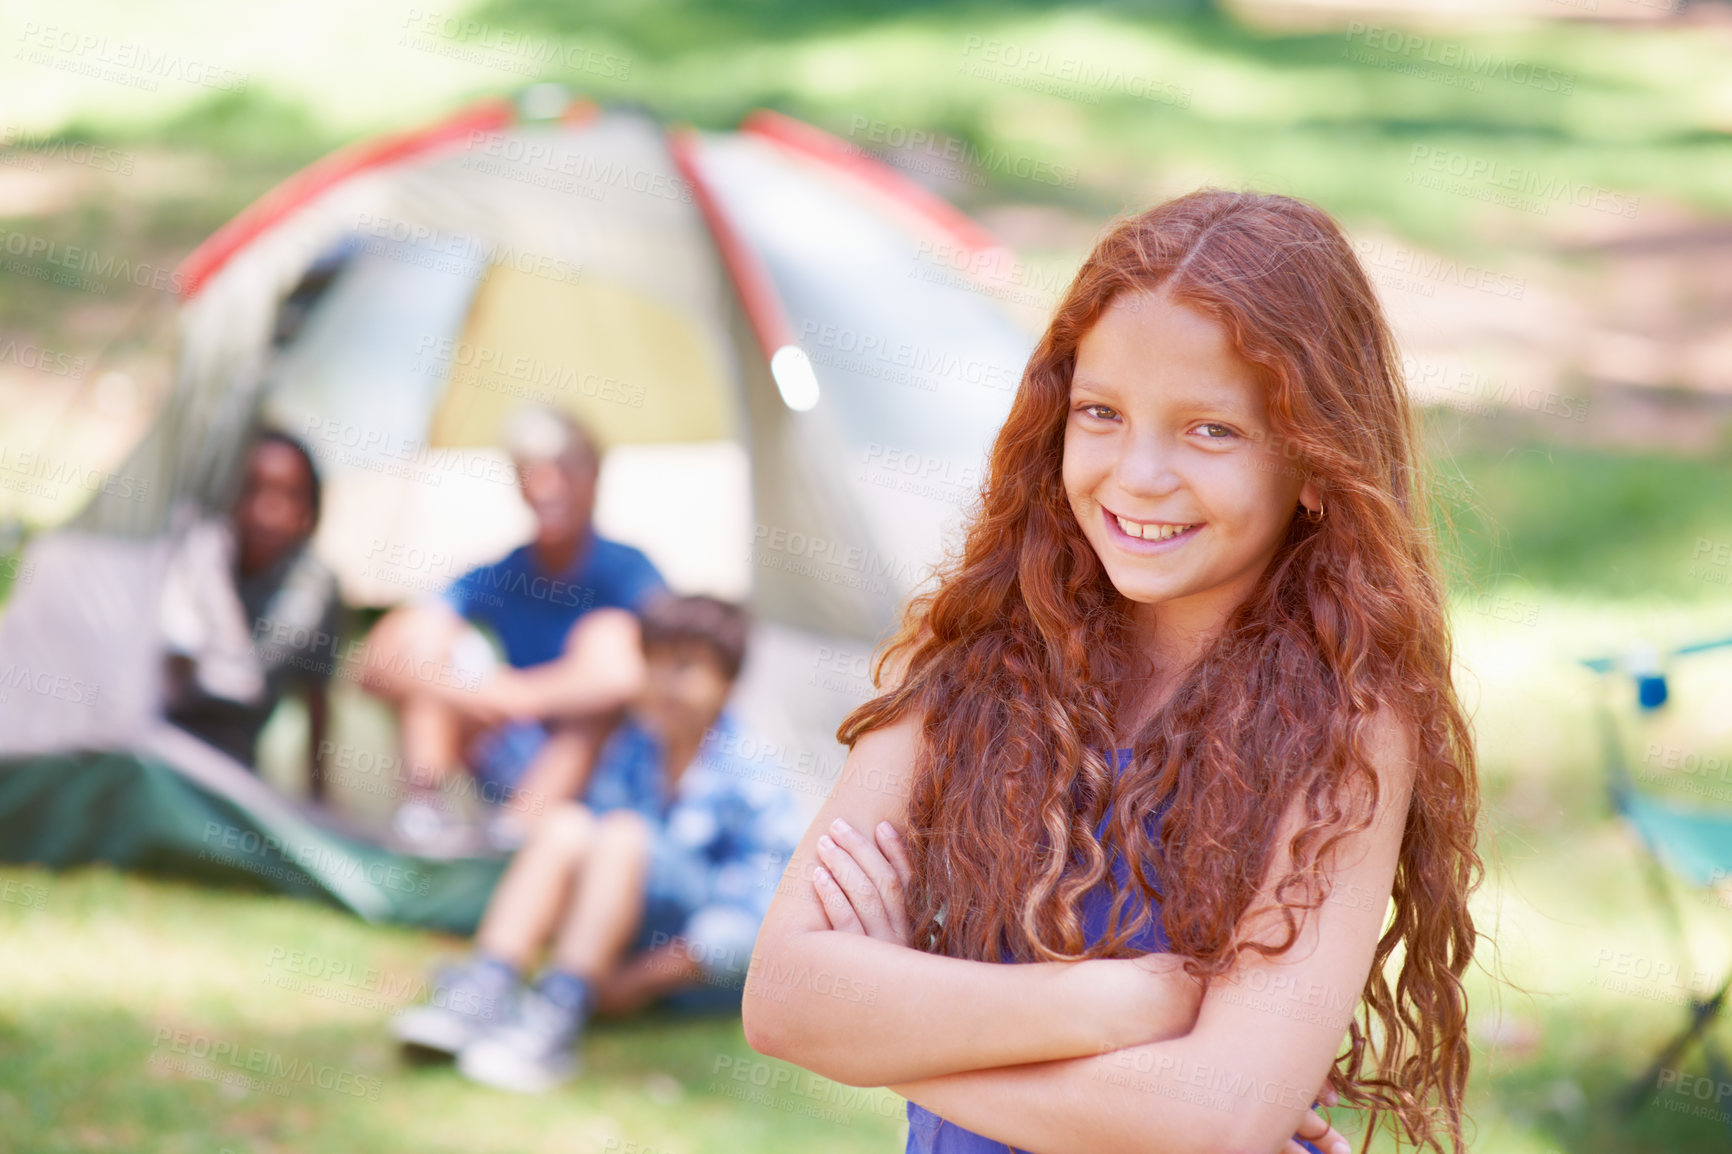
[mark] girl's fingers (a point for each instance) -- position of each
(861, 893)
(1293, 1146)
(896, 850)
(836, 906)
(1312, 1126)
(1317, 1130)
(1331, 1141)
(896, 853)
(877, 868)
(829, 922)
(867, 856)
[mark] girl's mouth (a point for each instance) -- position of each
(1148, 536)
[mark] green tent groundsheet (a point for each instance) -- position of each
(135, 812)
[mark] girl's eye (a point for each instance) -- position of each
(1090, 409)
(1214, 431)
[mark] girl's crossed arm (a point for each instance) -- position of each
(1266, 1034)
(863, 1009)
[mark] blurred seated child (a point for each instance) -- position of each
(657, 884)
(249, 613)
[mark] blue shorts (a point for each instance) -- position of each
(499, 757)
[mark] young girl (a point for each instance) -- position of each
(1175, 731)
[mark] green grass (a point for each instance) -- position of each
(115, 991)
(1573, 520)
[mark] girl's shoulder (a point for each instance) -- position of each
(877, 777)
(1393, 732)
(1391, 746)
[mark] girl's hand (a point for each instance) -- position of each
(861, 884)
(1315, 1129)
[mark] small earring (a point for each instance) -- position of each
(1314, 517)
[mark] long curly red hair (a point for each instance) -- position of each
(1016, 656)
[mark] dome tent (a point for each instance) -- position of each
(813, 327)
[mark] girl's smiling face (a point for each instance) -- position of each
(1168, 459)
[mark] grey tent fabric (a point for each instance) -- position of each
(79, 652)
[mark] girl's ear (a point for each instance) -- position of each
(1311, 497)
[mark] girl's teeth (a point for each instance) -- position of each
(1150, 532)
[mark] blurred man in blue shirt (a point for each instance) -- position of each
(562, 609)
(655, 886)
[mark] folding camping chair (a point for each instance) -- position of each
(1690, 844)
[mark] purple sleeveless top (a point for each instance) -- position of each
(930, 1134)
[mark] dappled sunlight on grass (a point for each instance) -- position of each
(143, 995)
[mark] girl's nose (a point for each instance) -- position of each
(1148, 467)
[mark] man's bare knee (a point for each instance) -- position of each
(623, 831)
(570, 829)
(407, 645)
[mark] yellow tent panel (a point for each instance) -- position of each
(630, 368)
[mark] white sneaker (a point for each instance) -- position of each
(506, 831)
(423, 828)
(532, 1050)
(466, 1001)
